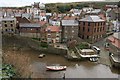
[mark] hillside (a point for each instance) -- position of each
(65, 7)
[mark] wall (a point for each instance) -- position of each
(70, 32)
(35, 45)
(10, 26)
(94, 33)
(32, 35)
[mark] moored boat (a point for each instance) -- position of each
(41, 55)
(56, 68)
(93, 59)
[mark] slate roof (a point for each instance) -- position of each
(92, 18)
(22, 20)
(27, 15)
(69, 23)
(95, 11)
(30, 25)
(117, 35)
(8, 19)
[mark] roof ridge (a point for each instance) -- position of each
(91, 18)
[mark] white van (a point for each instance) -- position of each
(96, 49)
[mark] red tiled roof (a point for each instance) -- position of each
(114, 41)
(70, 17)
(53, 28)
(102, 16)
(43, 23)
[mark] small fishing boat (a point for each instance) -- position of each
(56, 68)
(93, 59)
(41, 55)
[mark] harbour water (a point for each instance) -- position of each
(75, 69)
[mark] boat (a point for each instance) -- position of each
(56, 68)
(93, 59)
(41, 55)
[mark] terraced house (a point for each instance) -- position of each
(69, 28)
(53, 34)
(30, 30)
(8, 25)
(92, 28)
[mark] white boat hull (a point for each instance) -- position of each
(56, 68)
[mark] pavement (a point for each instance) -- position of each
(104, 54)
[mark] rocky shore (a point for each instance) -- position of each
(12, 54)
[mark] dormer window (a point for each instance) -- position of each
(49, 30)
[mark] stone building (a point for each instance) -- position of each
(53, 34)
(69, 28)
(8, 25)
(30, 30)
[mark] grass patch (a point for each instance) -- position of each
(43, 45)
(83, 46)
(38, 39)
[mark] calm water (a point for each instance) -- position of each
(84, 69)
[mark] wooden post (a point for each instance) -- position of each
(64, 76)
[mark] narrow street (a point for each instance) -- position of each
(104, 54)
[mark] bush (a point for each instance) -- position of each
(44, 44)
(8, 71)
(83, 46)
(36, 39)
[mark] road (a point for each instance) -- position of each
(104, 54)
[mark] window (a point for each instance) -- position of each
(84, 23)
(49, 35)
(11, 21)
(88, 23)
(11, 25)
(101, 23)
(5, 25)
(57, 35)
(49, 31)
(87, 37)
(4, 21)
(6, 30)
(98, 24)
(95, 30)
(100, 29)
(11, 29)
(88, 29)
(83, 29)
(79, 28)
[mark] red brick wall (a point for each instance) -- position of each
(91, 31)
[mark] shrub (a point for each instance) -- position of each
(36, 39)
(83, 46)
(44, 44)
